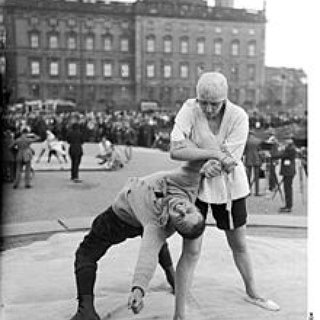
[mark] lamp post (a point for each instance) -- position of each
(304, 81)
(2, 66)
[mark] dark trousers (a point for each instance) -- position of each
(106, 230)
(27, 174)
(272, 177)
(288, 192)
(75, 164)
(255, 180)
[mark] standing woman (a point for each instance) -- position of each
(75, 139)
(212, 117)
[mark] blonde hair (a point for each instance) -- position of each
(212, 86)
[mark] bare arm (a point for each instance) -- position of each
(151, 243)
(185, 150)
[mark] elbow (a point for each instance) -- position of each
(174, 154)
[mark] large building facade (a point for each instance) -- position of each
(128, 55)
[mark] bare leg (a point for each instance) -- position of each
(237, 242)
(184, 274)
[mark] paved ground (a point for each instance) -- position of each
(54, 196)
(38, 275)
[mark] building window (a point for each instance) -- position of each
(34, 40)
(217, 47)
(90, 72)
(235, 73)
(124, 44)
(71, 42)
(251, 48)
(53, 41)
(167, 44)
(252, 32)
(151, 70)
(184, 45)
(35, 68)
(251, 72)
(200, 46)
(235, 31)
(89, 42)
(107, 43)
(53, 22)
(151, 44)
(34, 21)
(124, 70)
(107, 69)
(235, 48)
(184, 71)
(71, 22)
(89, 23)
(167, 70)
(54, 68)
(217, 29)
(72, 69)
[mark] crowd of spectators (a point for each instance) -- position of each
(146, 129)
(119, 127)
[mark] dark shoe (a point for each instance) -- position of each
(77, 180)
(86, 309)
(285, 209)
(28, 186)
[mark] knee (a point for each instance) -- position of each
(192, 254)
(83, 261)
(238, 246)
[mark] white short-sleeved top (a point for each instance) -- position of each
(191, 123)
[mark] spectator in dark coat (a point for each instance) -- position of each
(7, 157)
(253, 160)
(288, 171)
(75, 138)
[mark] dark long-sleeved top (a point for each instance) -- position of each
(75, 138)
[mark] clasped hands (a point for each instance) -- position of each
(135, 301)
(213, 167)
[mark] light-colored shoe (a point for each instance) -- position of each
(263, 303)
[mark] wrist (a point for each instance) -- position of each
(137, 287)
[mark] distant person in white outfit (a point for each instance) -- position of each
(54, 147)
(212, 117)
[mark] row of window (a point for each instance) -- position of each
(167, 46)
(90, 70)
(72, 69)
(89, 23)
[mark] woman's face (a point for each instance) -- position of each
(210, 109)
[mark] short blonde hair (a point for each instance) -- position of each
(212, 86)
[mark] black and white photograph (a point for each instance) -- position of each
(155, 160)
